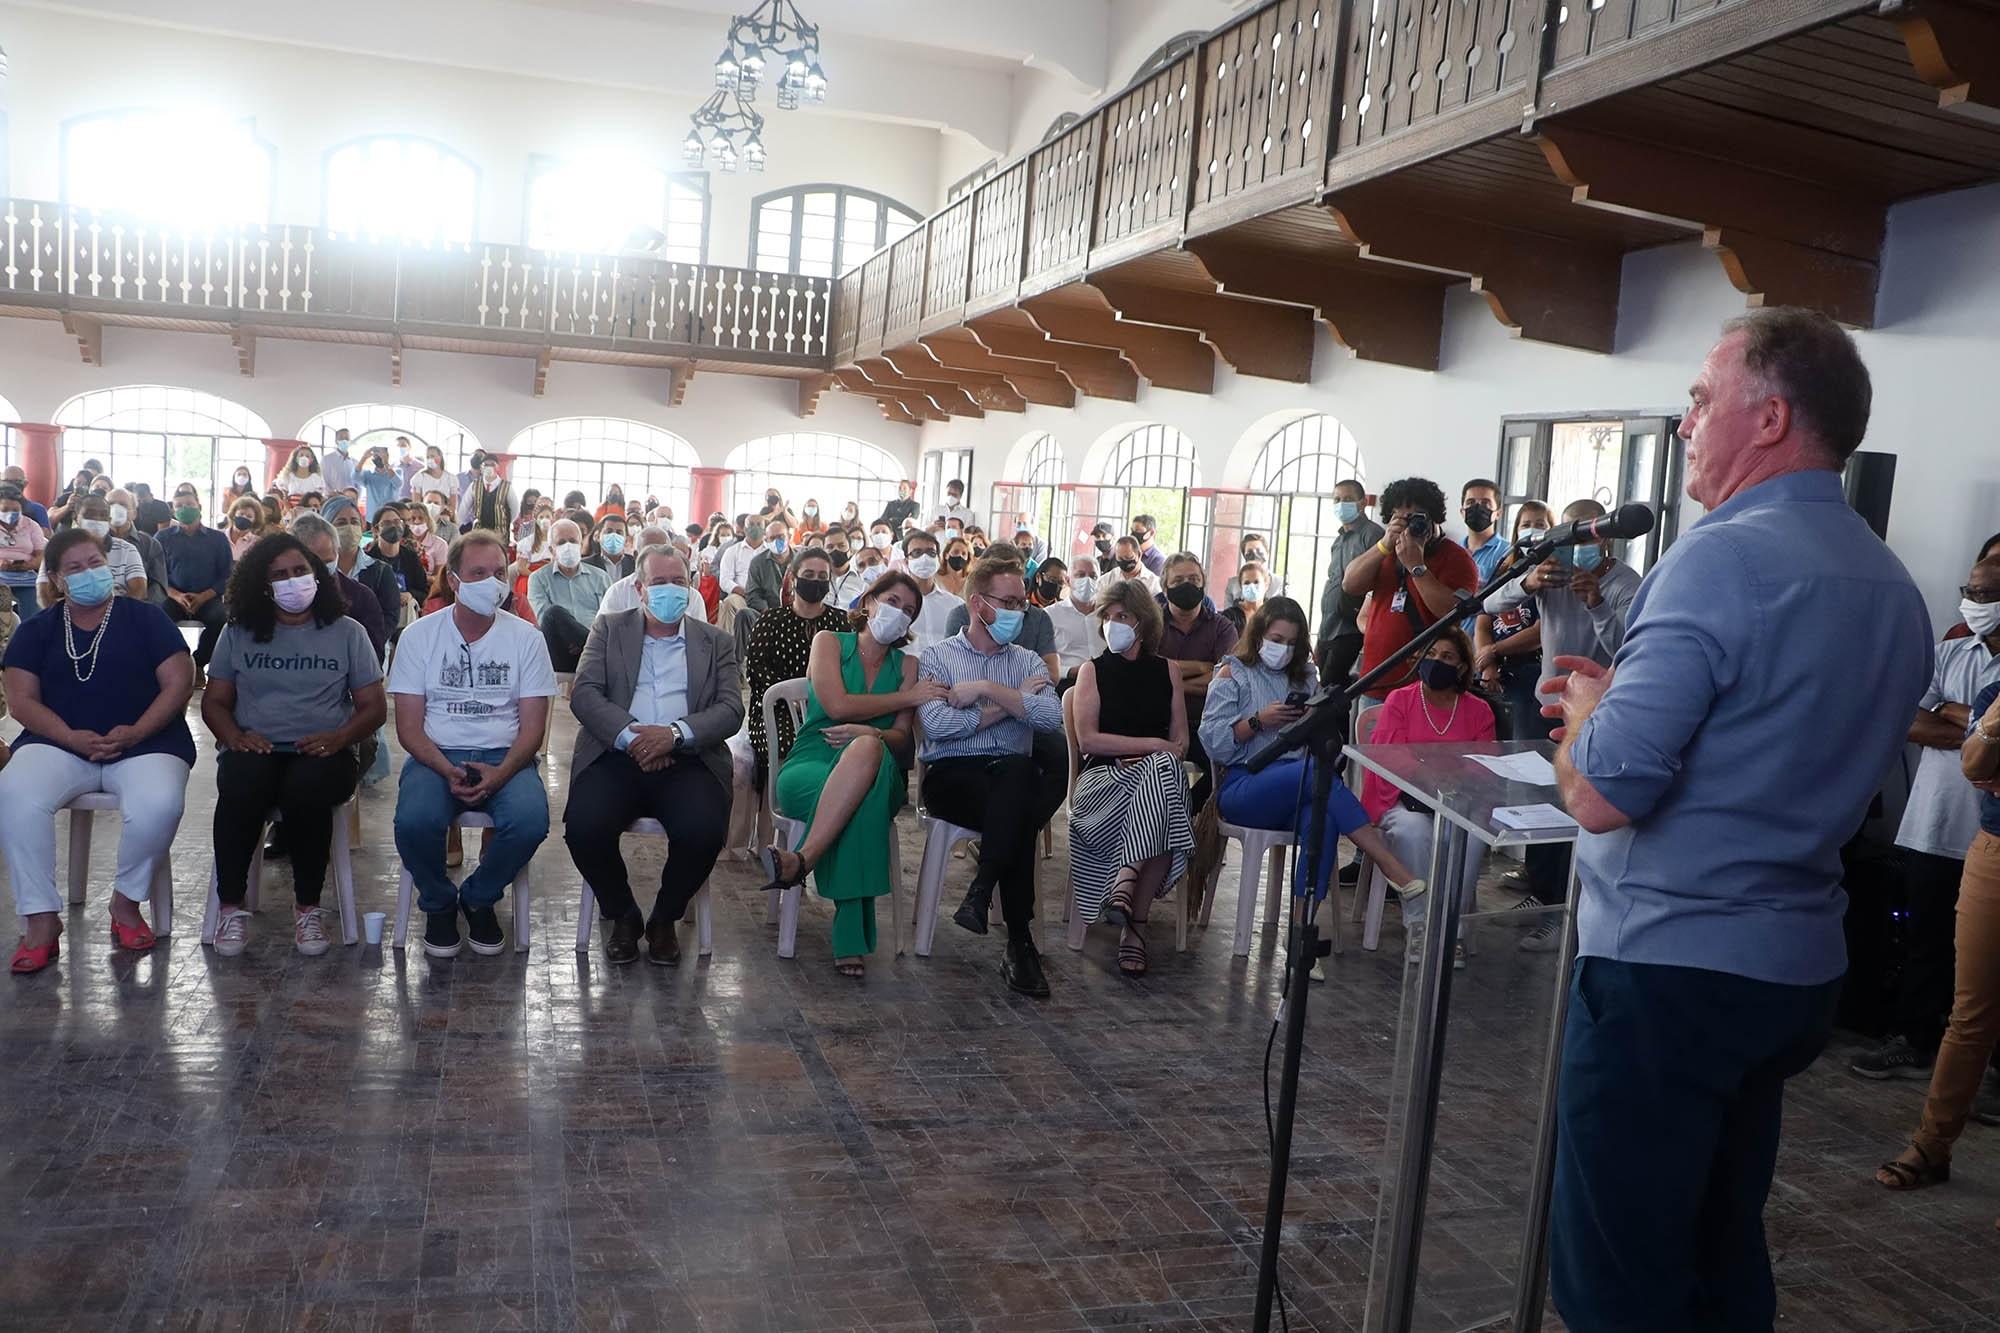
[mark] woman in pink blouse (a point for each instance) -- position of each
(1439, 708)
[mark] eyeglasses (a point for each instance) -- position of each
(1977, 596)
(1006, 603)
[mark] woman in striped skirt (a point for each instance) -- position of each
(1129, 832)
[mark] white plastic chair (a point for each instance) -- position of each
(704, 911)
(81, 811)
(789, 833)
(341, 864)
(565, 680)
(406, 891)
(1258, 846)
(1371, 893)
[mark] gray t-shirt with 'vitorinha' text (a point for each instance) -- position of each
(300, 683)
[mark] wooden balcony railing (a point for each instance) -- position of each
(86, 262)
(1294, 99)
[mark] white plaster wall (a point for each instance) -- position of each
(1136, 30)
(1931, 359)
(305, 101)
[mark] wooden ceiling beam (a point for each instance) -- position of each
(1099, 372)
(677, 385)
(911, 409)
(949, 398)
(1554, 289)
(89, 335)
(1037, 381)
(1169, 358)
(810, 388)
(916, 363)
(1956, 49)
(245, 343)
(1261, 338)
(1377, 318)
(543, 358)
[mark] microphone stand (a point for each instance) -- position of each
(1323, 733)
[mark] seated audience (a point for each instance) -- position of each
(17, 476)
(128, 567)
(431, 547)
(246, 524)
(1072, 607)
(1256, 693)
(1440, 707)
(1038, 636)
(1194, 638)
(768, 570)
(362, 607)
(99, 684)
(732, 574)
(566, 595)
(866, 565)
(198, 562)
(472, 685)
(605, 549)
(21, 543)
(1126, 564)
(957, 559)
(1129, 832)
(1248, 588)
(293, 691)
(920, 560)
(393, 548)
(977, 747)
(1150, 555)
(657, 697)
(1413, 573)
(780, 644)
(843, 776)
(352, 559)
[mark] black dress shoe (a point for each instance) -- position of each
(663, 946)
(621, 942)
(1022, 967)
(973, 911)
(1350, 874)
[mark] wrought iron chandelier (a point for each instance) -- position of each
(725, 127)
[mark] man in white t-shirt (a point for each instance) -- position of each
(921, 552)
(471, 685)
(1079, 629)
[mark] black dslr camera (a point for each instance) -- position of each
(1419, 525)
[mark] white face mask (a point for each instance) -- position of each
(1982, 618)
(869, 573)
(569, 555)
(1119, 636)
(295, 594)
(924, 566)
(1253, 592)
(96, 527)
(120, 516)
(481, 596)
(881, 541)
(1082, 586)
(888, 624)
(1275, 655)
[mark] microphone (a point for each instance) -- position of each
(1632, 520)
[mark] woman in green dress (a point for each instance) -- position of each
(844, 774)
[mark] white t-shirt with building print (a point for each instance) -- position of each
(473, 691)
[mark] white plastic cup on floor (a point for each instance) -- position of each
(371, 926)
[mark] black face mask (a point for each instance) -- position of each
(389, 536)
(1478, 517)
(241, 522)
(1139, 535)
(1185, 596)
(1253, 557)
(811, 591)
(1128, 564)
(1438, 674)
(1104, 546)
(839, 559)
(955, 563)
(1050, 591)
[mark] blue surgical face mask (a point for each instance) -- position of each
(1346, 511)
(88, 587)
(1006, 626)
(613, 543)
(1585, 558)
(667, 602)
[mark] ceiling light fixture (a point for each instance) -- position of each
(772, 33)
(725, 129)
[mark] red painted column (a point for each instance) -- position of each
(710, 493)
(278, 455)
(41, 459)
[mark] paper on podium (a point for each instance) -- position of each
(1527, 766)
(1531, 817)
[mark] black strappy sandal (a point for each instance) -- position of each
(779, 882)
(1118, 906)
(1132, 954)
(1914, 1177)
(853, 970)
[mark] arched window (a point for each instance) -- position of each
(1290, 502)
(1311, 454)
(1169, 51)
(1149, 471)
(1035, 493)
(10, 450)
(1060, 124)
(371, 424)
(821, 230)
(394, 187)
(162, 436)
(813, 465)
(193, 168)
(591, 454)
(605, 207)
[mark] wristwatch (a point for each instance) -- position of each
(1418, 571)
(1256, 723)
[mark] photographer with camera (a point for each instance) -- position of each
(1413, 575)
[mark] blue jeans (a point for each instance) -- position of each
(425, 807)
(1667, 1115)
(1270, 800)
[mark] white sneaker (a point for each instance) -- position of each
(232, 932)
(309, 933)
(1318, 972)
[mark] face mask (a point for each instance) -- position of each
(887, 624)
(89, 587)
(489, 474)
(770, 497)
(340, 446)
(1184, 596)
(1982, 618)
(956, 563)
(1531, 534)
(1346, 511)
(1104, 546)
(1276, 656)
(1006, 626)
(1139, 535)
(1082, 587)
(1128, 564)
(243, 479)
(839, 559)
(881, 541)
(542, 522)
(296, 594)
(96, 527)
(667, 602)
(1478, 518)
(481, 596)
(1585, 558)
(1119, 636)
(120, 516)
(612, 543)
(873, 572)
(9, 519)
(812, 591)
(779, 544)
(389, 535)
(187, 514)
(350, 536)
(569, 555)
(1438, 674)
(1050, 590)
(924, 566)
(302, 466)
(419, 531)
(812, 511)
(1252, 592)
(241, 522)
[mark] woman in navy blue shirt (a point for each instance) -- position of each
(100, 682)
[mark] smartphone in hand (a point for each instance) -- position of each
(1296, 699)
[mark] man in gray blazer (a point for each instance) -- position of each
(657, 696)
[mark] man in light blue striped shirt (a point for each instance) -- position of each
(979, 771)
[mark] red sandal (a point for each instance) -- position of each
(137, 938)
(28, 960)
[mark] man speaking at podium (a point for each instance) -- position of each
(1765, 684)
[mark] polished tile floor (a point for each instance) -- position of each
(370, 1141)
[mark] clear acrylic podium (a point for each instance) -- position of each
(1462, 1219)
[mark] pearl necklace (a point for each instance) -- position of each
(89, 654)
(1449, 717)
